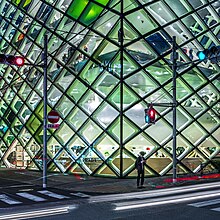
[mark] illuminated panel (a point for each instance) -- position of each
(88, 12)
(17, 2)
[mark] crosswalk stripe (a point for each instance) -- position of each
(31, 197)
(9, 200)
(205, 203)
(79, 194)
(52, 194)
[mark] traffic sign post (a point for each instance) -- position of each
(45, 114)
(53, 117)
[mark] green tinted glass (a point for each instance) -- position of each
(88, 11)
(17, 2)
(76, 8)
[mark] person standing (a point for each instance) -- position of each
(139, 165)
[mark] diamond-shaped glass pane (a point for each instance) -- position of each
(107, 62)
(90, 131)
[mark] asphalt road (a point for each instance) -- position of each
(106, 211)
(198, 202)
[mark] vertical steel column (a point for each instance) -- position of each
(174, 67)
(121, 39)
(45, 114)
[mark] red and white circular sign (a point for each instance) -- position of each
(53, 116)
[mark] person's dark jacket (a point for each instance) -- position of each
(139, 164)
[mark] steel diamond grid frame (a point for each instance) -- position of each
(107, 60)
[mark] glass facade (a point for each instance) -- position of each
(107, 60)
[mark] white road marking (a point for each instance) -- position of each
(31, 197)
(37, 213)
(165, 201)
(152, 193)
(216, 209)
(79, 194)
(15, 186)
(52, 194)
(205, 203)
(8, 200)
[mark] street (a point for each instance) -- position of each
(201, 201)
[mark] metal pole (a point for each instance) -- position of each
(121, 40)
(174, 67)
(45, 115)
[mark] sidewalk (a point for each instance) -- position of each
(97, 185)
